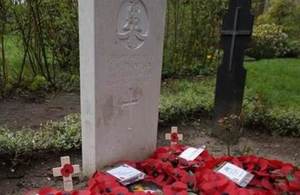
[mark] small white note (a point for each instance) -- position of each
(126, 174)
(191, 153)
(236, 174)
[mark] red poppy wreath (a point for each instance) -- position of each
(176, 176)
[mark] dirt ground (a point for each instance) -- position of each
(19, 112)
(36, 173)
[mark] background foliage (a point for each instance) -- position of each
(192, 36)
(280, 19)
(285, 13)
(269, 41)
(39, 41)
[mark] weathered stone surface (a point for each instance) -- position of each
(121, 47)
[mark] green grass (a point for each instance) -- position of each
(276, 81)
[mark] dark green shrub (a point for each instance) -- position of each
(275, 121)
(295, 49)
(68, 82)
(39, 83)
(269, 41)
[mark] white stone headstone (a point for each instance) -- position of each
(121, 48)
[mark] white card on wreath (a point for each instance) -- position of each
(236, 174)
(126, 174)
(191, 153)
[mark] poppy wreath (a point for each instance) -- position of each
(271, 177)
(178, 177)
(165, 168)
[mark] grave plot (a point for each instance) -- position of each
(121, 60)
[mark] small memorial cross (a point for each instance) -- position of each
(236, 35)
(67, 170)
(174, 137)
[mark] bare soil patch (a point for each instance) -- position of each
(16, 113)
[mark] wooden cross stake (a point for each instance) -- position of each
(67, 170)
(174, 137)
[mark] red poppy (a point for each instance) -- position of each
(174, 137)
(176, 189)
(67, 170)
(49, 191)
(120, 190)
(82, 192)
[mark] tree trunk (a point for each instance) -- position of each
(4, 72)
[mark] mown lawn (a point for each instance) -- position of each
(276, 81)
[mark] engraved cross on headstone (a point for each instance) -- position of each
(130, 101)
(236, 35)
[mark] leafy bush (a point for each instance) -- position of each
(39, 83)
(285, 13)
(295, 49)
(269, 41)
(68, 82)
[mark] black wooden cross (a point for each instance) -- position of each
(236, 35)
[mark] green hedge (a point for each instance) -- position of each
(276, 122)
(182, 98)
(52, 136)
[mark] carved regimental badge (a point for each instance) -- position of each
(133, 23)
